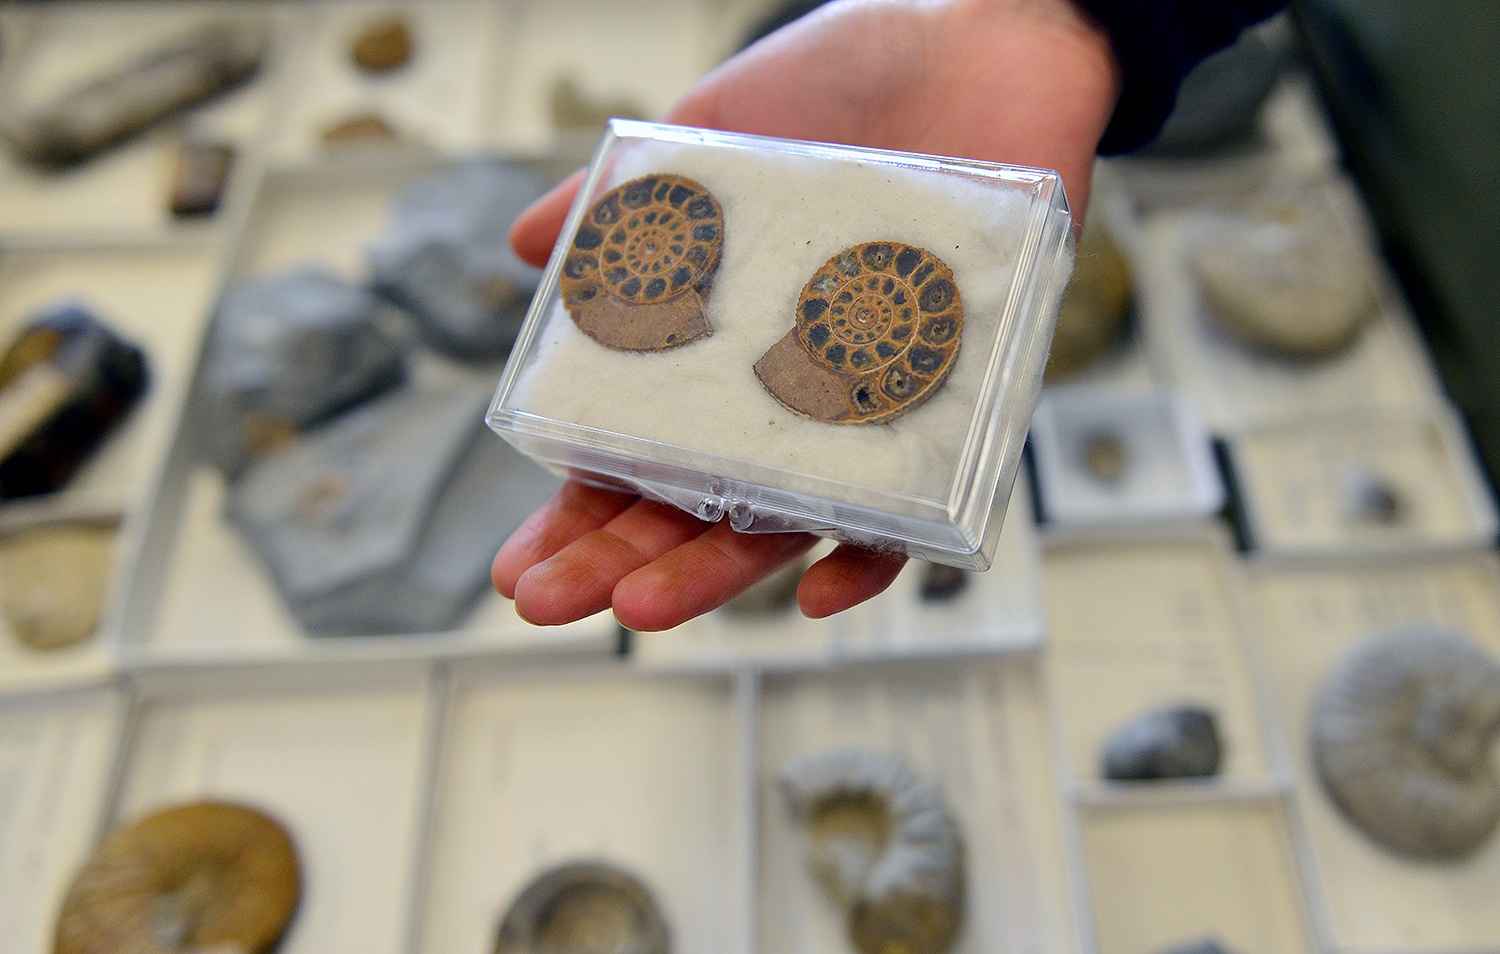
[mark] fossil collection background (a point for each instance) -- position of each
(1202, 523)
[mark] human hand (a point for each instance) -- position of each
(1031, 82)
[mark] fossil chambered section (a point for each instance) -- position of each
(886, 845)
(584, 907)
(197, 876)
(638, 272)
(877, 331)
(1403, 733)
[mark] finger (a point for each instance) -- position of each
(846, 577)
(702, 574)
(578, 580)
(576, 510)
(535, 230)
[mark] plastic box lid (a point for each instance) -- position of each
(693, 425)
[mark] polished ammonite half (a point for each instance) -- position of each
(876, 334)
(638, 272)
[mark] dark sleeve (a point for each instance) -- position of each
(1157, 42)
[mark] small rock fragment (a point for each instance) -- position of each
(383, 46)
(198, 178)
(1180, 742)
(1367, 497)
(941, 583)
(1104, 457)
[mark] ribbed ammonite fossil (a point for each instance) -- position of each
(877, 330)
(641, 263)
(886, 845)
(584, 907)
(1403, 733)
(192, 877)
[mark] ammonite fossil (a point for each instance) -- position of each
(584, 907)
(1177, 742)
(639, 269)
(191, 877)
(885, 844)
(877, 330)
(1403, 731)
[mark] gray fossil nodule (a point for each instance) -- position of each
(1403, 733)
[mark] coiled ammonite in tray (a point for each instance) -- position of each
(640, 266)
(1403, 735)
(198, 876)
(584, 907)
(876, 333)
(885, 844)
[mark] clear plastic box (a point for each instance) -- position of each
(693, 425)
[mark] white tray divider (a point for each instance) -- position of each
(744, 925)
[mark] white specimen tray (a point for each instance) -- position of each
(200, 563)
(542, 768)
(57, 760)
(1366, 899)
(1142, 620)
(972, 728)
(1293, 480)
(422, 797)
(339, 755)
(122, 194)
(439, 100)
(1386, 366)
(155, 297)
(1169, 471)
(1165, 874)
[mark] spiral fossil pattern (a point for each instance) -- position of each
(885, 843)
(877, 331)
(1403, 732)
(642, 262)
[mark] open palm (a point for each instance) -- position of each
(1020, 81)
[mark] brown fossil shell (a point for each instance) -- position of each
(877, 331)
(583, 907)
(640, 266)
(190, 877)
(1403, 732)
(885, 843)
